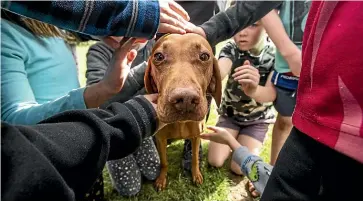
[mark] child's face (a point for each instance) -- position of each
(249, 37)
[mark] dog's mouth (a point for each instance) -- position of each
(177, 117)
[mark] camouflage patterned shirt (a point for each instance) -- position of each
(236, 105)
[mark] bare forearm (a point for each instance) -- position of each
(264, 94)
(96, 94)
(234, 144)
(224, 72)
(276, 31)
(225, 65)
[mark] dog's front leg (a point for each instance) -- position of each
(161, 144)
(196, 174)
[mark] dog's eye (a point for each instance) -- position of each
(204, 57)
(158, 57)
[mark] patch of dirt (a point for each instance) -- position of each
(238, 188)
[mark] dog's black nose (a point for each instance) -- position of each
(184, 99)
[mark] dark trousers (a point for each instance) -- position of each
(309, 170)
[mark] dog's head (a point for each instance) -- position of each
(183, 70)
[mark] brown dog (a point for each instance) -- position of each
(182, 69)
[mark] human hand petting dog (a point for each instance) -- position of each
(119, 68)
(248, 77)
(173, 18)
(222, 136)
(115, 76)
(153, 99)
(191, 28)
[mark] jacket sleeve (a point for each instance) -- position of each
(20, 106)
(60, 158)
(226, 24)
(97, 18)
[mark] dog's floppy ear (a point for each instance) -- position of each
(149, 82)
(215, 84)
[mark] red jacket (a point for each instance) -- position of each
(329, 104)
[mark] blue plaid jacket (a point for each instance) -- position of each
(131, 18)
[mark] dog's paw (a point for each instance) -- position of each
(160, 183)
(197, 177)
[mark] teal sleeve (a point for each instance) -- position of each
(18, 103)
(20, 107)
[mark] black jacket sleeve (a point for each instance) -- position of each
(226, 24)
(61, 157)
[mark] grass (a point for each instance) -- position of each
(218, 183)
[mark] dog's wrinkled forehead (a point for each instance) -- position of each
(182, 40)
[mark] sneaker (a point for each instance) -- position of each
(187, 156)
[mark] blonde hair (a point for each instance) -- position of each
(46, 30)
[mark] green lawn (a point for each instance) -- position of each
(219, 184)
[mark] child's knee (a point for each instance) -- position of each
(284, 122)
(215, 161)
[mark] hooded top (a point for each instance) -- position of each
(329, 105)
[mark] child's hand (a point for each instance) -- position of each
(173, 17)
(248, 76)
(153, 99)
(195, 29)
(219, 135)
(119, 68)
(115, 76)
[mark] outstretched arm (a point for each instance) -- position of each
(251, 165)
(226, 24)
(101, 18)
(265, 94)
(276, 31)
(60, 158)
(141, 19)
